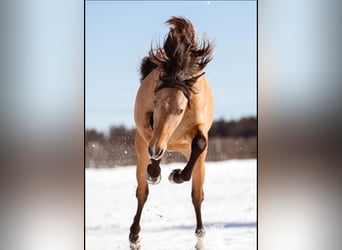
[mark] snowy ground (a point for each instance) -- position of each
(168, 219)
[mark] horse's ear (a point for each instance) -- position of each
(193, 80)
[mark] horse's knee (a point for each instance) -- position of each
(199, 143)
(141, 194)
(197, 196)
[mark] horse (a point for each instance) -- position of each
(173, 111)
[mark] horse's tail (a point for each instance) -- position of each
(182, 54)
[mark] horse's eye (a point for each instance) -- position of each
(180, 111)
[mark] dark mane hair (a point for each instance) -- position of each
(146, 67)
(180, 58)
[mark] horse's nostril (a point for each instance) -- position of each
(155, 152)
(160, 153)
(150, 152)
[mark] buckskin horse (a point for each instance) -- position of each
(173, 112)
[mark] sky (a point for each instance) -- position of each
(120, 33)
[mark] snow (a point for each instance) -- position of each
(168, 219)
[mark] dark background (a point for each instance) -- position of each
(227, 140)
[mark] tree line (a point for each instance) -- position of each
(227, 140)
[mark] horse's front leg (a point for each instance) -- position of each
(142, 189)
(153, 175)
(198, 145)
(195, 168)
(197, 193)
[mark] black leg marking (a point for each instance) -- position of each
(135, 228)
(153, 172)
(198, 145)
(197, 199)
(134, 234)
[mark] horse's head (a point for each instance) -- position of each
(170, 104)
(180, 58)
(169, 108)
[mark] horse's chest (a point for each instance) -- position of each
(180, 138)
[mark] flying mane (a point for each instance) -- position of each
(180, 58)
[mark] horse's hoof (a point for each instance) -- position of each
(200, 233)
(134, 246)
(134, 241)
(199, 244)
(152, 180)
(176, 176)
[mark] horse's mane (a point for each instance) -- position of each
(180, 58)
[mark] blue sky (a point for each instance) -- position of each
(119, 34)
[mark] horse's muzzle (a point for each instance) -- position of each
(155, 152)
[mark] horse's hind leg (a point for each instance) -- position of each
(197, 193)
(142, 188)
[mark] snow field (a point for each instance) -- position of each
(168, 220)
